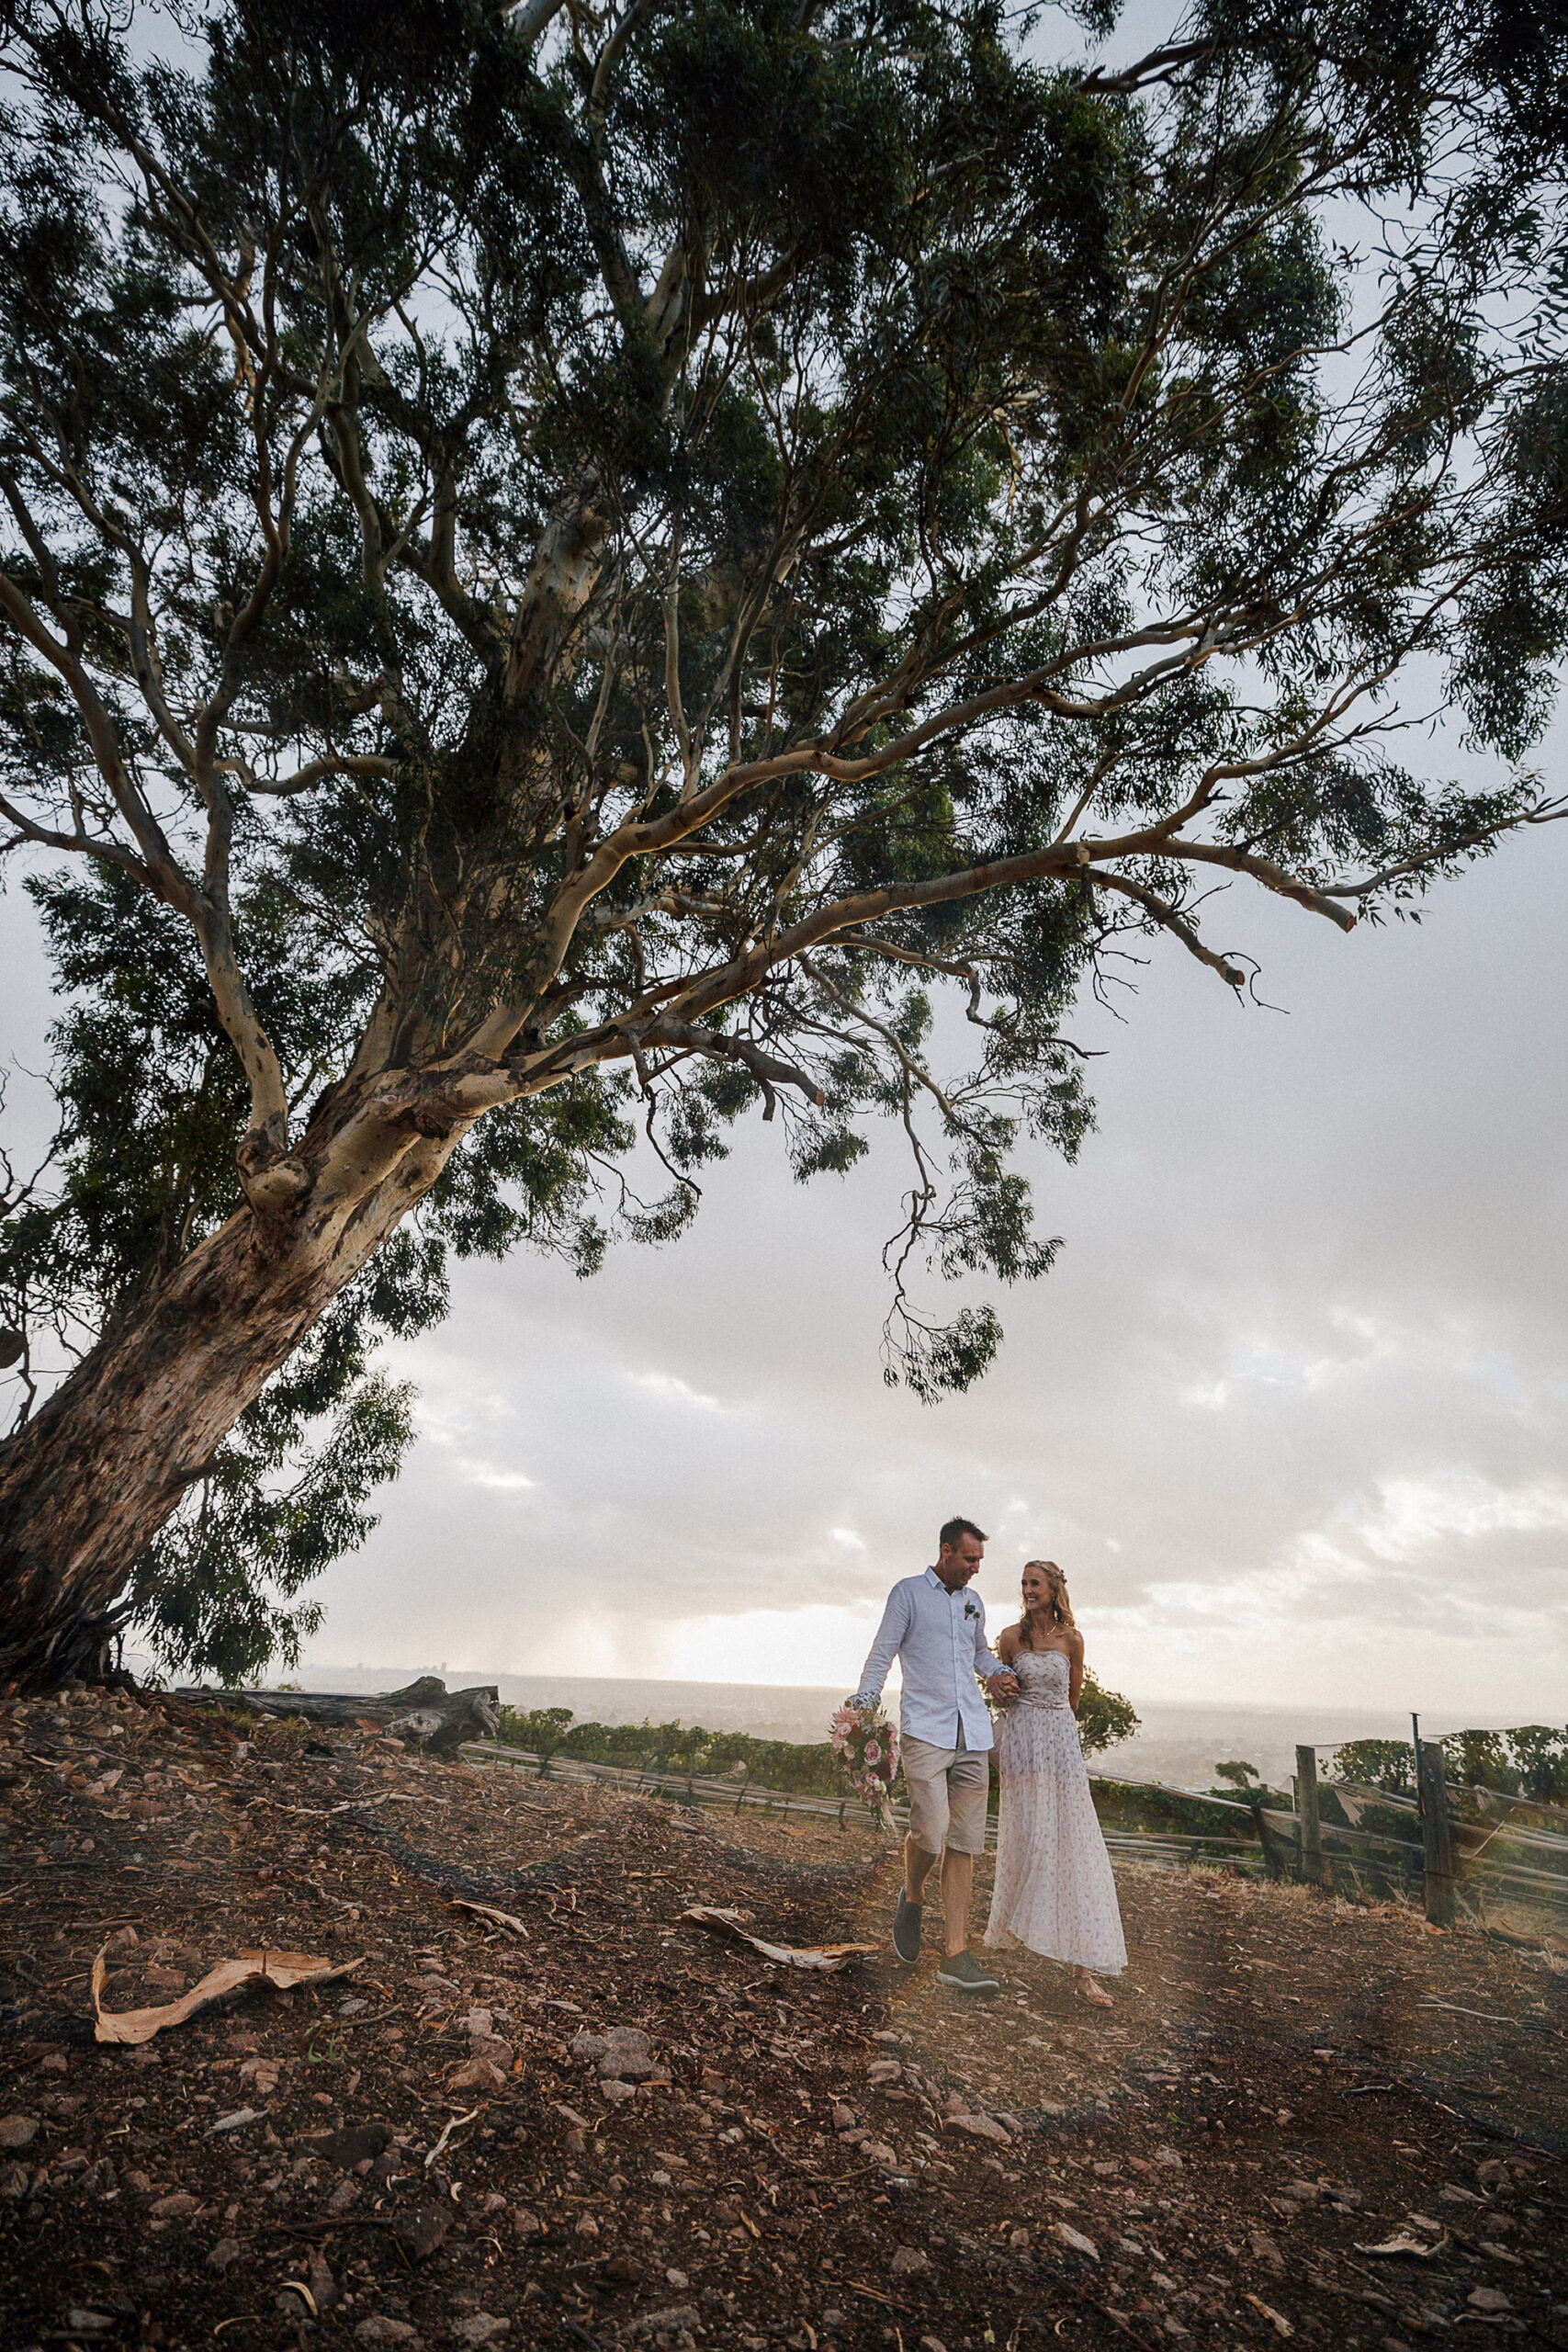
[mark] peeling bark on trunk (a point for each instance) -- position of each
(88, 1483)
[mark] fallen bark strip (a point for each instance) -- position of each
(275, 1971)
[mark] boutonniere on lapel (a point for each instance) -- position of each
(971, 1609)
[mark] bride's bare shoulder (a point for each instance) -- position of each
(1008, 1641)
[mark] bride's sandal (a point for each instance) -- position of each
(1088, 1990)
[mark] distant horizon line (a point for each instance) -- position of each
(456, 1677)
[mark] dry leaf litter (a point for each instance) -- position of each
(525, 2101)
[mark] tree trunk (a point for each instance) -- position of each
(86, 1485)
(424, 1710)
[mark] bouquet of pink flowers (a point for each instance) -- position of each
(866, 1744)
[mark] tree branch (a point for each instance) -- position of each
(1159, 911)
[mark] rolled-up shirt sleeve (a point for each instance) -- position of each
(890, 1633)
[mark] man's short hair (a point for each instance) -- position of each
(956, 1530)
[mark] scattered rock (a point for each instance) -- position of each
(909, 2262)
(320, 2279)
(627, 2057)
(1067, 2235)
(981, 2127)
(174, 2207)
(359, 2143)
(14, 2181)
(422, 2229)
(1488, 2299)
(221, 2256)
(526, 2224)
(18, 2130)
(380, 2329)
(482, 2328)
(479, 2075)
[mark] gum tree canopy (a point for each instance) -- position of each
(571, 562)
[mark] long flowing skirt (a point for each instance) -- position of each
(1054, 1892)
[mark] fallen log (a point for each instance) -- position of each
(425, 1710)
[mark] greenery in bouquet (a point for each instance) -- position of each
(866, 1744)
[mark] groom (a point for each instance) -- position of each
(937, 1628)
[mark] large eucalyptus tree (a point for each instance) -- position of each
(572, 556)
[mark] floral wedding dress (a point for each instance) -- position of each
(1054, 1892)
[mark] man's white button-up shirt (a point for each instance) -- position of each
(938, 1638)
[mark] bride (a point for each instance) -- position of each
(1054, 1892)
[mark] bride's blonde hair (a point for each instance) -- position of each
(1061, 1606)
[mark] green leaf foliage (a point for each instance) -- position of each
(582, 575)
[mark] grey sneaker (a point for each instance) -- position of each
(966, 1974)
(906, 1929)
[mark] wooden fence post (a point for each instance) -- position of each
(1307, 1817)
(1437, 1835)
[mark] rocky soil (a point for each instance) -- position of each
(604, 2125)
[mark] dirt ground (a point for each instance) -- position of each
(417, 2156)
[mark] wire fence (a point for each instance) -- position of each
(1504, 1869)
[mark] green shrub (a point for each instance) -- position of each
(803, 1768)
(1530, 1762)
(1104, 1717)
(1386, 1764)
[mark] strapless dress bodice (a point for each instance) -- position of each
(1043, 1677)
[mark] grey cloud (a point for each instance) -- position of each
(1303, 1353)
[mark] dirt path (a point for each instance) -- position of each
(854, 2160)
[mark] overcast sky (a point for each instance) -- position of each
(1291, 1410)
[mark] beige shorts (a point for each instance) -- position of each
(948, 1789)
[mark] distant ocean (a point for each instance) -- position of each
(1179, 1744)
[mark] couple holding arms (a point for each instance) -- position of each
(1054, 1894)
